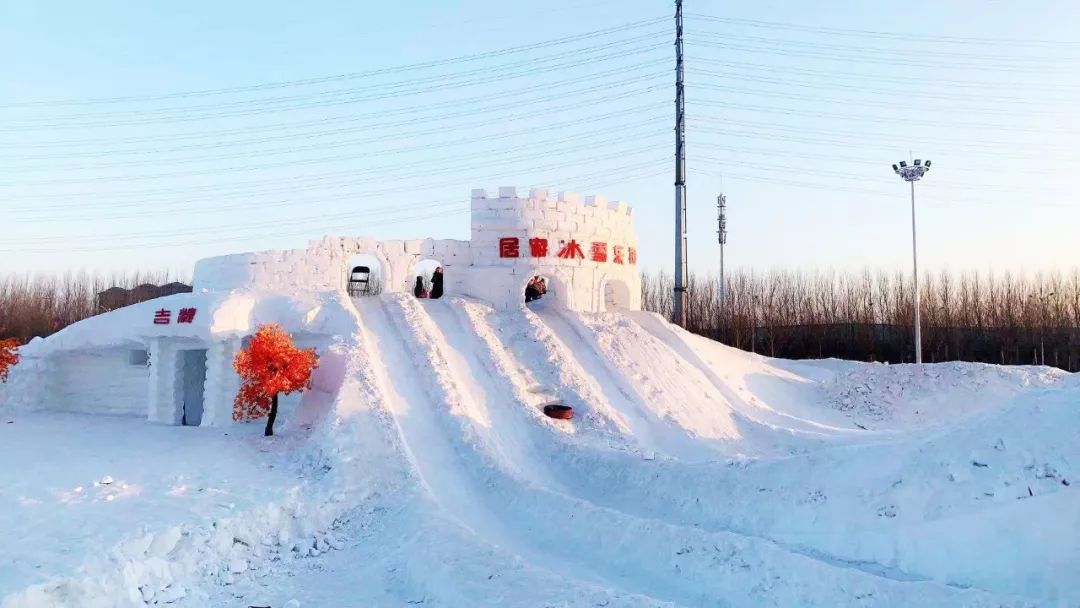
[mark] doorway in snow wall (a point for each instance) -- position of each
(192, 386)
(616, 295)
(556, 291)
(425, 269)
(364, 275)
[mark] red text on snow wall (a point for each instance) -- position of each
(510, 247)
(164, 316)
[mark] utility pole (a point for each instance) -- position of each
(721, 233)
(911, 175)
(681, 274)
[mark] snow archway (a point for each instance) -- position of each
(558, 292)
(365, 274)
(616, 295)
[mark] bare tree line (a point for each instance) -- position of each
(995, 318)
(39, 305)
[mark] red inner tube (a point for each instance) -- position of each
(560, 412)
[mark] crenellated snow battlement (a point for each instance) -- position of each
(564, 213)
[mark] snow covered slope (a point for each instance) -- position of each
(692, 475)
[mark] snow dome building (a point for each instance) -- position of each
(170, 358)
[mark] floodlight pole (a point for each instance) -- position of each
(915, 269)
(913, 174)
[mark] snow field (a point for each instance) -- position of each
(692, 475)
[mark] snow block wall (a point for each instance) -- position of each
(26, 388)
(586, 250)
(104, 381)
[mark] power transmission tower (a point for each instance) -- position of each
(721, 233)
(681, 274)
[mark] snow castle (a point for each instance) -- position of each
(170, 359)
(585, 249)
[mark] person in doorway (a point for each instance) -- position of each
(436, 284)
(532, 290)
(541, 286)
(419, 290)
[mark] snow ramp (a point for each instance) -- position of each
(607, 504)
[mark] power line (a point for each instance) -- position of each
(312, 201)
(462, 106)
(969, 110)
(332, 144)
(181, 118)
(1000, 58)
(848, 76)
(580, 57)
(777, 25)
(158, 243)
(277, 165)
(351, 75)
(964, 142)
(763, 109)
(857, 58)
(392, 178)
(848, 140)
(771, 179)
(872, 91)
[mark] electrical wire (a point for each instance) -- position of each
(352, 75)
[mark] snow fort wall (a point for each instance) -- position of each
(325, 265)
(103, 381)
(588, 248)
(398, 258)
(284, 270)
(27, 384)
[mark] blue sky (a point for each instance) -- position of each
(795, 110)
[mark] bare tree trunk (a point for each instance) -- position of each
(272, 417)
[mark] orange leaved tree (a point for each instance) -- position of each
(9, 356)
(270, 365)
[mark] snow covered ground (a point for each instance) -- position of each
(692, 475)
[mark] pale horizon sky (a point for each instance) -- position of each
(146, 136)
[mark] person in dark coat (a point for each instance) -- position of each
(436, 284)
(419, 290)
(532, 290)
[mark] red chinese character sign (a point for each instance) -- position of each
(538, 248)
(162, 317)
(508, 247)
(599, 252)
(186, 315)
(571, 250)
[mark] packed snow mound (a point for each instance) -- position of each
(216, 314)
(906, 396)
(692, 474)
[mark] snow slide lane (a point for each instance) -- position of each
(585, 543)
(650, 429)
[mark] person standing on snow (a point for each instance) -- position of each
(419, 290)
(436, 284)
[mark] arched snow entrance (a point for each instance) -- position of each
(425, 269)
(556, 293)
(616, 295)
(364, 275)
